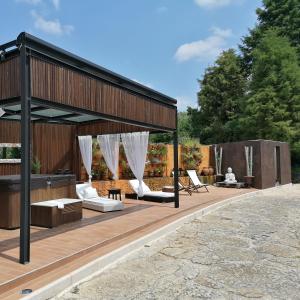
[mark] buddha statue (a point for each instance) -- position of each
(229, 176)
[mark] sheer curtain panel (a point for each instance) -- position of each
(85, 145)
(135, 146)
(109, 145)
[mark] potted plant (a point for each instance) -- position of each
(157, 172)
(205, 171)
(150, 173)
(153, 154)
(36, 166)
(249, 178)
(162, 150)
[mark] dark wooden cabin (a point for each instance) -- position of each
(271, 161)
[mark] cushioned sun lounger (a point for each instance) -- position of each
(91, 200)
(155, 196)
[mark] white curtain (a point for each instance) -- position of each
(135, 146)
(86, 145)
(109, 145)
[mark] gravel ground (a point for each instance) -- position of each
(248, 249)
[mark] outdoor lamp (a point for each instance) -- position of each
(2, 112)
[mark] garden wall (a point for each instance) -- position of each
(160, 161)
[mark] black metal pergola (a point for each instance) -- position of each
(27, 109)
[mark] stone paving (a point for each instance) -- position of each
(248, 249)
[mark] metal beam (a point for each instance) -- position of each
(176, 186)
(101, 116)
(25, 156)
(8, 45)
(10, 101)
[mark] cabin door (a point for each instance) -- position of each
(277, 165)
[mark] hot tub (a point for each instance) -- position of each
(43, 187)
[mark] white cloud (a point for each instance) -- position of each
(50, 26)
(161, 9)
(56, 3)
(149, 85)
(204, 49)
(32, 2)
(213, 3)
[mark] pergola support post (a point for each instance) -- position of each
(176, 187)
(25, 155)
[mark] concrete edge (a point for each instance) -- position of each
(106, 261)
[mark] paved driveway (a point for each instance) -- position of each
(249, 249)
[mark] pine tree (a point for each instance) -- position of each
(281, 15)
(273, 104)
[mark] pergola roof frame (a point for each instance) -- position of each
(41, 47)
(26, 45)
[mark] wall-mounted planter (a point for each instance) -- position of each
(10, 161)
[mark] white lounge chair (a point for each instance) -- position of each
(156, 196)
(196, 183)
(91, 200)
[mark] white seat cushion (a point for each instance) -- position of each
(102, 204)
(90, 192)
(60, 203)
(135, 186)
(159, 194)
(97, 203)
(80, 188)
(147, 192)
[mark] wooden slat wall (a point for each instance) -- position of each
(60, 84)
(9, 78)
(10, 169)
(53, 145)
(9, 131)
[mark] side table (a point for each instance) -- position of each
(114, 192)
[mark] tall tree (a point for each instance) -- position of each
(282, 15)
(184, 129)
(273, 105)
(220, 99)
(184, 126)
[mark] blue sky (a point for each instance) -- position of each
(165, 44)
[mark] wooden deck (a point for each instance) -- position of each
(56, 252)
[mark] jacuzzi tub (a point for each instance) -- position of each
(43, 187)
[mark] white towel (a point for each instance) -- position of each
(59, 204)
